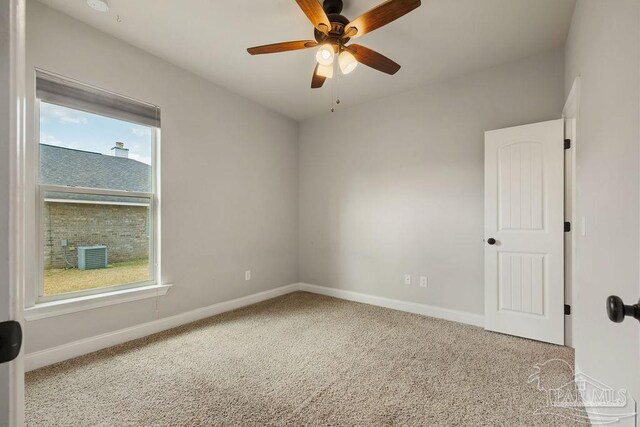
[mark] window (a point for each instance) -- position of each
(97, 189)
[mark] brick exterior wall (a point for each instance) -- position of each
(122, 229)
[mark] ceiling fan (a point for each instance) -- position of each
(332, 33)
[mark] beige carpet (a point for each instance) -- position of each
(301, 359)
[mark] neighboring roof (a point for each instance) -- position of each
(66, 166)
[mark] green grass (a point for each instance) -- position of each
(58, 280)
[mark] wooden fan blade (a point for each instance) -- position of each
(282, 47)
(373, 59)
(317, 81)
(314, 11)
(380, 15)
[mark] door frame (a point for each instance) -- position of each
(570, 114)
(14, 131)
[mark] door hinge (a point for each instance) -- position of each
(567, 226)
(567, 309)
(10, 340)
(567, 144)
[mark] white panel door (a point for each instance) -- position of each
(524, 231)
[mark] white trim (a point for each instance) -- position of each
(16, 141)
(35, 240)
(410, 307)
(95, 202)
(88, 302)
(50, 188)
(571, 114)
(154, 248)
(62, 352)
(92, 293)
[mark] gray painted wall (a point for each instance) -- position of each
(395, 186)
(603, 48)
(229, 178)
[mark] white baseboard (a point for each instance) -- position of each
(410, 307)
(73, 349)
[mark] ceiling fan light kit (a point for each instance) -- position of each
(347, 62)
(325, 54)
(325, 71)
(333, 31)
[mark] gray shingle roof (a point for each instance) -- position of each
(66, 166)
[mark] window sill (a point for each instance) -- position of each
(88, 302)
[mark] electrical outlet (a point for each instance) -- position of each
(407, 279)
(247, 275)
(423, 281)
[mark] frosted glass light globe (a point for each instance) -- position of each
(347, 62)
(325, 55)
(325, 71)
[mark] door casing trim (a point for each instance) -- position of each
(570, 114)
(17, 144)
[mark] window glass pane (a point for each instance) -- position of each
(95, 241)
(81, 149)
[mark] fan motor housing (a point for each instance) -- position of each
(338, 23)
(332, 6)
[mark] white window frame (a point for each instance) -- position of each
(154, 235)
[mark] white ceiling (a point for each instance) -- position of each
(440, 39)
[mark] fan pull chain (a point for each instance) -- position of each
(332, 88)
(332, 109)
(337, 73)
(335, 89)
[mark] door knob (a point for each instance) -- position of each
(616, 310)
(491, 241)
(10, 340)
